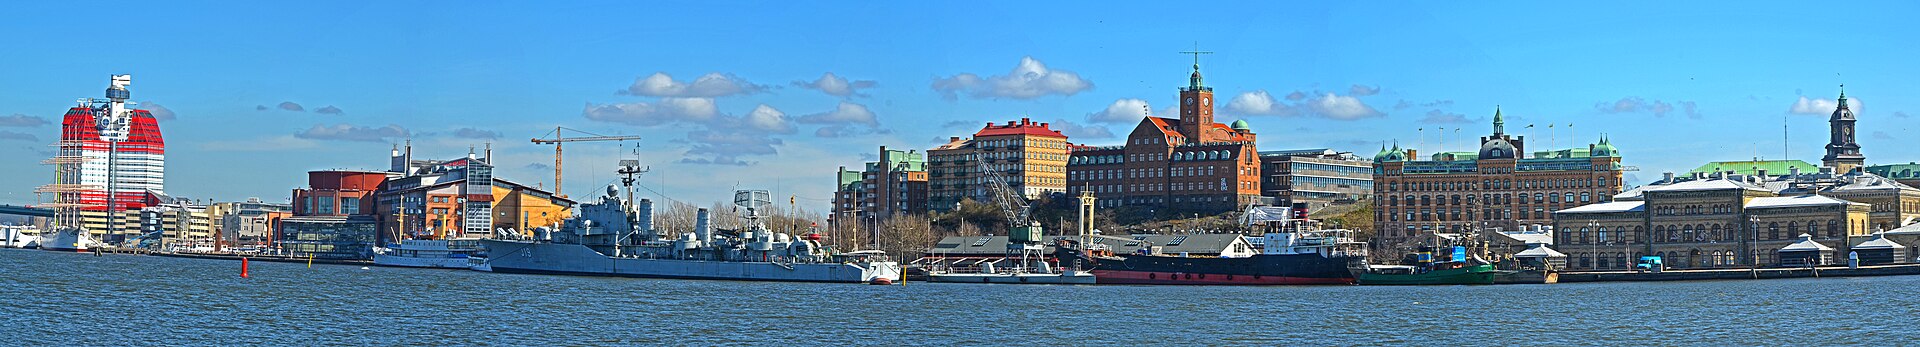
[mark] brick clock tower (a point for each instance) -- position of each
(1196, 104)
(1843, 153)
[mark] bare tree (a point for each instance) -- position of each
(906, 236)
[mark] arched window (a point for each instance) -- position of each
(1583, 235)
(1601, 235)
(1659, 233)
(1833, 228)
(1773, 231)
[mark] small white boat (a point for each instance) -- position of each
(442, 254)
(68, 239)
(479, 263)
(19, 237)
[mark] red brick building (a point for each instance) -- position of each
(1185, 165)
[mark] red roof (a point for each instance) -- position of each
(1023, 127)
(1167, 126)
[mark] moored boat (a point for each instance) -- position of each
(1415, 275)
(1458, 269)
(67, 239)
(1289, 258)
(444, 254)
(615, 237)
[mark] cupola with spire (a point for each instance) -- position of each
(1604, 148)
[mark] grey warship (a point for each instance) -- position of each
(615, 237)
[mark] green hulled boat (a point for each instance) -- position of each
(1415, 275)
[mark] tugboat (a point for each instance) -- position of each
(615, 237)
(1458, 270)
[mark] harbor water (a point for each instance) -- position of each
(80, 299)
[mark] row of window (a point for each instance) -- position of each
(1490, 184)
(1488, 199)
(1773, 231)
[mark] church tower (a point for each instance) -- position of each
(1843, 154)
(1196, 104)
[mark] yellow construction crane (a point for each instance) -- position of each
(559, 137)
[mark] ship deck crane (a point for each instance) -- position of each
(559, 138)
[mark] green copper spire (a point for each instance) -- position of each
(1843, 95)
(1499, 124)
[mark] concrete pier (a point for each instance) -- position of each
(1740, 274)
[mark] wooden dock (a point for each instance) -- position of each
(1740, 274)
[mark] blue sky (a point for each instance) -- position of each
(735, 94)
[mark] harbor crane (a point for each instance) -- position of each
(1024, 236)
(559, 137)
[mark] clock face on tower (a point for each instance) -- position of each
(1206, 102)
(1189, 101)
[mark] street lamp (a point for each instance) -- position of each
(1592, 247)
(1753, 257)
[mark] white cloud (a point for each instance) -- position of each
(473, 133)
(726, 146)
(1443, 117)
(21, 120)
(1258, 102)
(846, 113)
(14, 135)
(1404, 104)
(1121, 111)
(766, 118)
(1342, 107)
(1328, 105)
(1362, 90)
(1821, 106)
(159, 112)
(1031, 79)
(836, 86)
(346, 132)
(664, 111)
(1078, 131)
(1659, 108)
(706, 86)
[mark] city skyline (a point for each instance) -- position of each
(286, 90)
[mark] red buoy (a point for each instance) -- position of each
(243, 268)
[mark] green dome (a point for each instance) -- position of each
(1241, 125)
(1387, 155)
(1605, 148)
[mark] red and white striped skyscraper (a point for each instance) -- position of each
(119, 151)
